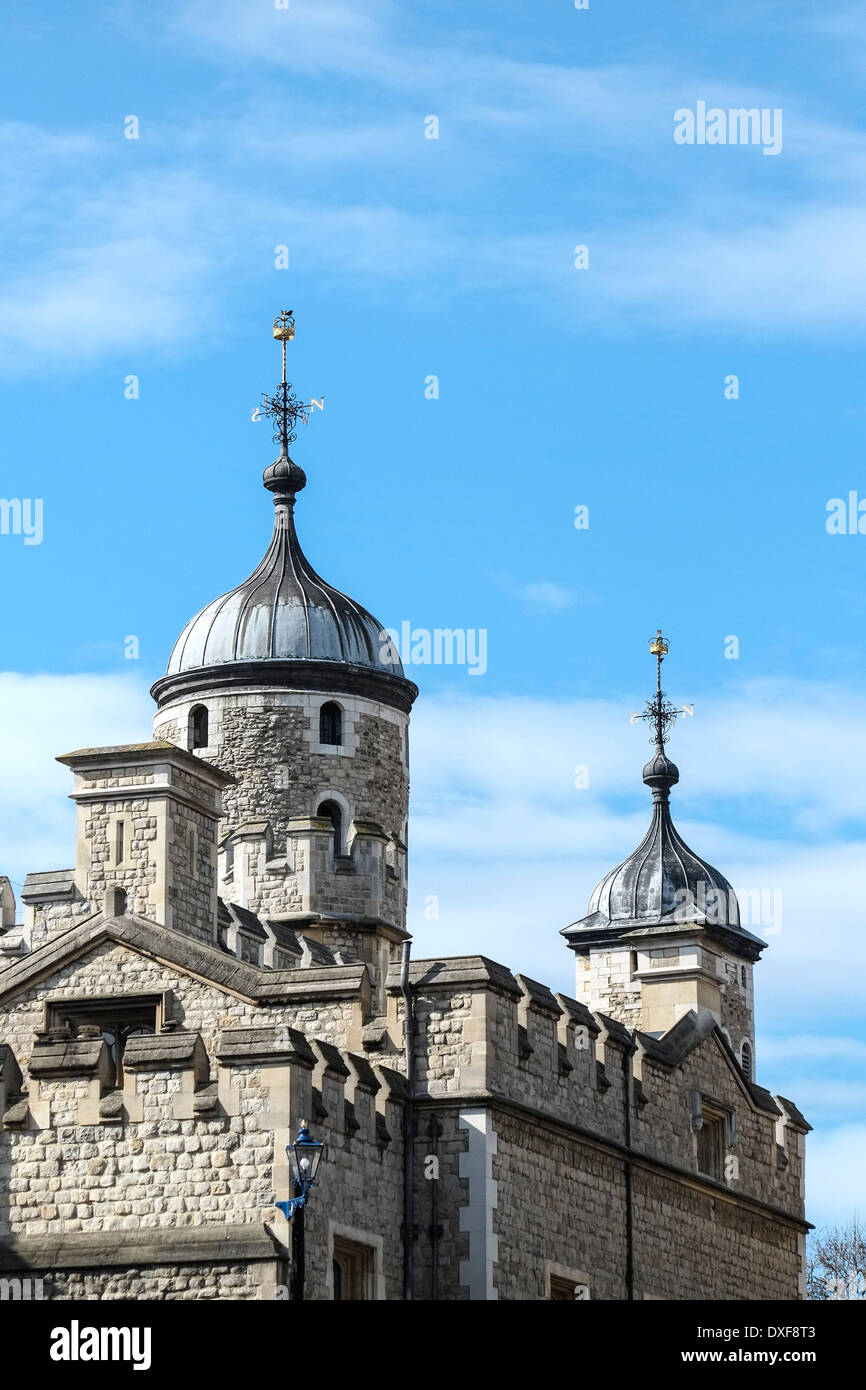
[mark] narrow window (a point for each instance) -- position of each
(743, 977)
(746, 1060)
(329, 810)
(119, 838)
(712, 1141)
(632, 962)
(331, 724)
(198, 726)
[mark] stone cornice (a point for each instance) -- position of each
(85, 760)
(325, 677)
(122, 1249)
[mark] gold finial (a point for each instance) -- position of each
(284, 326)
(659, 645)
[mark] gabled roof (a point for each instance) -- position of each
(674, 1046)
(197, 959)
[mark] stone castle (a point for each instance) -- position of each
(229, 956)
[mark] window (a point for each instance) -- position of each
(198, 730)
(744, 980)
(331, 724)
(353, 1270)
(746, 1059)
(712, 1142)
(119, 841)
(563, 1284)
(119, 902)
(564, 1290)
(329, 810)
(115, 1019)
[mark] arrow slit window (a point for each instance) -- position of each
(331, 724)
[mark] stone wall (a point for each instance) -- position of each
(521, 1102)
(194, 1141)
(268, 740)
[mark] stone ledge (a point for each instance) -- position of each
(269, 1044)
(77, 1057)
(167, 1052)
(163, 1245)
(455, 972)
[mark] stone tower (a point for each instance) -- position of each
(295, 690)
(662, 935)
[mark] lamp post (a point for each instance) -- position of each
(304, 1155)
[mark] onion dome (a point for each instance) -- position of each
(284, 624)
(284, 612)
(663, 883)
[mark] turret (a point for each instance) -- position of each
(662, 935)
(295, 690)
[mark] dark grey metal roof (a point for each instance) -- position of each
(662, 881)
(284, 612)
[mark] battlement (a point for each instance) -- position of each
(483, 1033)
(311, 871)
(188, 1137)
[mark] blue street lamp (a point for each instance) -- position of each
(304, 1155)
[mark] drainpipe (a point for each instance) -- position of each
(408, 1129)
(629, 1218)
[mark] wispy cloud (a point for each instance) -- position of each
(545, 594)
(153, 229)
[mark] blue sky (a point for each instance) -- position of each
(604, 387)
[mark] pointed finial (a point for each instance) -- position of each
(284, 477)
(660, 773)
(659, 711)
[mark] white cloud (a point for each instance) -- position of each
(546, 594)
(835, 1164)
(42, 717)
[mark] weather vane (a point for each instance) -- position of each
(283, 407)
(659, 711)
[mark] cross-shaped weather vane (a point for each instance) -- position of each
(659, 710)
(283, 407)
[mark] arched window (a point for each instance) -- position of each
(746, 1059)
(329, 810)
(198, 726)
(331, 724)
